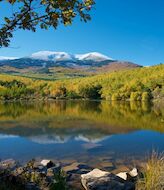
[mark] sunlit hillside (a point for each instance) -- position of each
(137, 84)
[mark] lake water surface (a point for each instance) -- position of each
(86, 131)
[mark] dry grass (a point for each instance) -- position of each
(153, 178)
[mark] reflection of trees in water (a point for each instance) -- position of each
(141, 106)
(135, 106)
(87, 118)
(146, 106)
(90, 106)
(13, 110)
(16, 109)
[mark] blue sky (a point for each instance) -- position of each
(130, 30)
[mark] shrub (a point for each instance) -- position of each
(59, 182)
(135, 96)
(146, 96)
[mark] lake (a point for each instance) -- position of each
(84, 131)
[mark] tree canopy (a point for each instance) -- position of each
(28, 14)
(140, 84)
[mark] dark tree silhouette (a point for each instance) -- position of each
(28, 14)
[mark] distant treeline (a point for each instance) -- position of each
(140, 84)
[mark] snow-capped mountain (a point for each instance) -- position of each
(53, 59)
(50, 61)
(63, 56)
(92, 56)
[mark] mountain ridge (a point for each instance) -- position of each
(58, 58)
(62, 63)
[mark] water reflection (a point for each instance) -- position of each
(85, 125)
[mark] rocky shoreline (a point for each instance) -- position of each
(46, 174)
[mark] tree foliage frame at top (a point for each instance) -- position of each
(28, 14)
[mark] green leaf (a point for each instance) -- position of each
(7, 20)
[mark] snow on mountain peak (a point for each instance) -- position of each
(52, 56)
(93, 56)
(7, 58)
(63, 56)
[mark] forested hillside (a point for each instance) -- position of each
(137, 84)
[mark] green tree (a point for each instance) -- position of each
(72, 95)
(28, 14)
(90, 91)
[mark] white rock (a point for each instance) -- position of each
(45, 162)
(133, 173)
(122, 175)
(95, 173)
(101, 180)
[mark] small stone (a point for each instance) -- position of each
(133, 173)
(95, 173)
(122, 175)
(128, 175)
(47, 163)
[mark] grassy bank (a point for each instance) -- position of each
(139, 84)
(153, 178)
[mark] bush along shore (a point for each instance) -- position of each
(47, 175)
(141, 84)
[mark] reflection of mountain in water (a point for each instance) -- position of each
(49, 139)
(3, 136)
(56, 139)
(89, 121)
